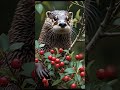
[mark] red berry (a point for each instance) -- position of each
(3, 81)
(60, 50)
(82, 69)
(68, 58)
(44, 80)
(50, 57)
(111, 71)
(34, 76)
(57, 65)
(81, 56)
(52, 62)
(36, 60)
(46, 84)
(16, 64)
(73, 86)
(66, 78)
(41, 52)
(62, 64)
(53, 58)
(52, 51)
(82, 74)
(57, 60)
(101, 74)
(77, 57)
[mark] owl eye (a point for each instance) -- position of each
(55, 18)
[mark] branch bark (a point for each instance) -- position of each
(107, 34)
(102, 26)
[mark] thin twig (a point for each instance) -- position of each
(107, 34)
(102, 26)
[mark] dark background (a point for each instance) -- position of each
(7, 8)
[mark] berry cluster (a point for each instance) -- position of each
(59, 64)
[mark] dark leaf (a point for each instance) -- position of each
(16, 46)
(4, 43)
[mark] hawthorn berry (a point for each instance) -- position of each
(52, 51)
(46, 84)
(50, 57)
(4, 81)
(44, 80)
(82, 74)
(101, 74)
(57, 65)
(34, 76)
(52, 62)
(81, 56)
(53, 58)
(16, 64)
(77, 57)
(68, 58)
(41, 52)
(62, 64)
(36, 60)
(66, 78)
(57, 60)
(73, 86)
(60, 50)
(82, 69)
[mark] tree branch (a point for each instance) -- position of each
(102, 26)
(107, 34)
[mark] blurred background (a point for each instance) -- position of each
(7, 9)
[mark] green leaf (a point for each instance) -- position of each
(51, 73)
(77, 16)
(83, 86)
(58, 55)
(4, 42)
(77, 78)
(16, 46)
(72, 54)
(29, 81)
(61, 75)
(79, 64)
(113, 82)
(117, 21)
(89, 65)
(49, 66)
(56, 82)
(39, 8)
(36, 44)
(47, 54)
(71, 64)
(67, 51)
(106, 87)
(41, 45)
(47, 4)
(69, 70)
(28, 68)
